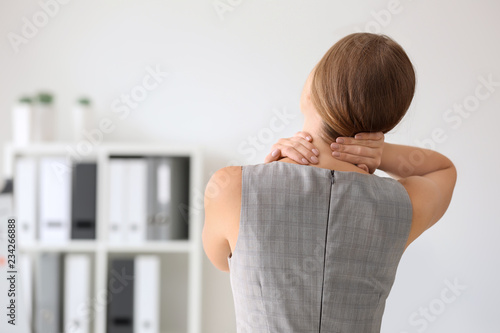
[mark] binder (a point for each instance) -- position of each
(168, 198)
(146, 294)
(26, 288)
(6, 208)
(120, 316)
(54, 199)
(158, 198)
(25, 199)
(83, 207)
(48, 293)
(116, 200)
(135, 200)
(180, 183)
(151, 230)
(76, 293)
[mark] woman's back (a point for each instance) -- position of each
(317, 250)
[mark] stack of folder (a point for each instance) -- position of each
(148, 197)
(135, 287)
(55, 201)
(60, 299)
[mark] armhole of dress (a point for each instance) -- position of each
(407, 199)
(230, 256)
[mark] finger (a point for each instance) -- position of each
(354, 150)
(369, 135)
(306, 144)
(304, 135)
(359, 142)
(354, 159)
(294, 150)
(274, 155)
(299, 153)
(364, 167)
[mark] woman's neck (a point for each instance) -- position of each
(326, 160)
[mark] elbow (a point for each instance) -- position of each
(451, 170)
(454, 173)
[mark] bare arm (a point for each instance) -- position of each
(401, 161)
(429, 178)
(222, 210)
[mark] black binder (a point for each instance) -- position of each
(83, 212)
(121, 306)
(179, 212)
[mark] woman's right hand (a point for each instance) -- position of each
(364, 150)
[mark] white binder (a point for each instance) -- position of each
(55, 199)
(76, 293)
(117, 205)
(135, 200)
(25, 199)
(146, 294)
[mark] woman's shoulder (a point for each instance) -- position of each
(226, 173)
(224, 184)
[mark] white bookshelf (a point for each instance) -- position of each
(181, 260)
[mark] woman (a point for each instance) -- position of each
(315, 248)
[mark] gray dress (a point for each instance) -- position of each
(317, 249)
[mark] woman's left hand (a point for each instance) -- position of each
(298, 148)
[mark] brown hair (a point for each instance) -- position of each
(364, 83)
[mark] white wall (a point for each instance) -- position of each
(228, 77)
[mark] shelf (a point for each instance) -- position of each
(181, 246)
(120, 149)
(173, 246)
(73, 246)
(181, 260)
(49, 148)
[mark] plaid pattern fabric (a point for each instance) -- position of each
(317, 249)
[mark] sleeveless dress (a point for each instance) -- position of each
(317, 249)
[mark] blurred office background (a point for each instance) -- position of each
(225, 69)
